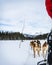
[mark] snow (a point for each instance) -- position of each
(11, 54)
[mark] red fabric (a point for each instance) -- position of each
(48, 4)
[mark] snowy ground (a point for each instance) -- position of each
(11, 54)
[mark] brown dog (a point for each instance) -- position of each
(44, 49)
(35, 47)
(32, 44)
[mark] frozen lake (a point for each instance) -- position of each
(11, 54)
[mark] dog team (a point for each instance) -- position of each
(37, 47)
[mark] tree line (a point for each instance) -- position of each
(19, 36)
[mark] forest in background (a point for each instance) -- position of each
(20, 36)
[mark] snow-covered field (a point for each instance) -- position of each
(11, 54)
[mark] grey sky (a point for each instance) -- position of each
(13, 13)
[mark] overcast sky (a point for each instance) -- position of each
(30, 13)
